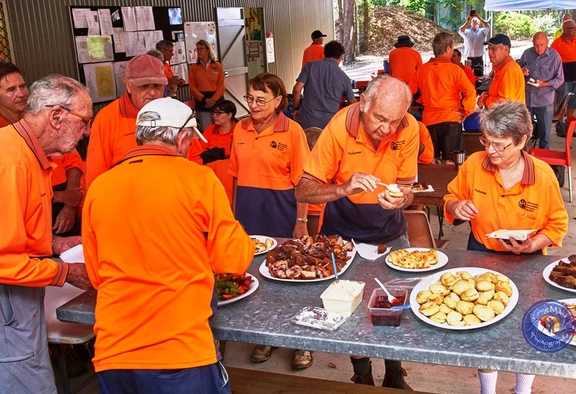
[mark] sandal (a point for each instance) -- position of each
(261, 353)
(302, 359)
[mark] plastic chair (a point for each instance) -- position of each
(419, 231)
(559, 158)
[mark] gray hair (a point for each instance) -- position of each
(156, 53)
(441, 42)
(507, 119)
(386, 87)
(53, 89)
(164, 45)
(164, 134)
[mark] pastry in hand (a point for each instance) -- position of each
(394, 191)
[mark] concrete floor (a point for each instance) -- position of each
(424, 377)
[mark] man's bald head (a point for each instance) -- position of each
(389, 90)
(568, 29)
(540, 42)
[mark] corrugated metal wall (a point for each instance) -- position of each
(43, 43)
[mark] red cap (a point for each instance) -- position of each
(146, 69)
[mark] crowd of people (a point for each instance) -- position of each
(168, 194)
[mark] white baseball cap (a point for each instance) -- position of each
(167, 112)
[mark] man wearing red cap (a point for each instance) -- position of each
(114, 127)
(315, 51)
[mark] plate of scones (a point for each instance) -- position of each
(464, 298)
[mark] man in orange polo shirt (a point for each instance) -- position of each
(315, 51)
(156, 228)
(13, 94)
(457, 60)
(404, 61)
(114, 127)
(507, 76)
(166, 48)
(447, 95)
(52, 126)
(426, 147)
(373, 141)
(565, 45)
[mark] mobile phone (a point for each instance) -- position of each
(473, 13)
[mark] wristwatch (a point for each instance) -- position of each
(305, 220)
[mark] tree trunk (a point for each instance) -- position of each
(347, 29)
(365, 26)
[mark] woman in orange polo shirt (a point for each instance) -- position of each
(206, 80)
(506, 188)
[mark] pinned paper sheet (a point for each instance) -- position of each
(369, 252)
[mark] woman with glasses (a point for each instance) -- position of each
(506, 188)
(215, 153)
(268, 154)
(206, 79)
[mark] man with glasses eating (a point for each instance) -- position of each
(507, 76)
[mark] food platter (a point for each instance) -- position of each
(266, 273)
(442, 261)
(546, 275)
(571, 304)
(263, 239)
(254, 285)
(432, 279)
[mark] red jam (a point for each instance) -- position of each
(388, 318)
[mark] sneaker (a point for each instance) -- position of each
(261, 353)
(302, 359)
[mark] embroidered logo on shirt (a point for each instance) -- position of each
(278, 145)
(273, 145)
(354, 153)
(527, 205)
(397, 145)
(393, 145)
(479, 191)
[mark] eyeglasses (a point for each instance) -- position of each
(218, 112)
(498, 147)
(192, 115)
(259, 101)
(86, 120)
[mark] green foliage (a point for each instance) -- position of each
(515, 25)
(547, 23)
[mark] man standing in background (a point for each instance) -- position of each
(474, 37)
(315, 51)
(565, 45)
(167, 49)
(404, 61)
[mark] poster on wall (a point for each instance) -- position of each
(270, 50)
(100, 48)
(196, 31)
(100, 81)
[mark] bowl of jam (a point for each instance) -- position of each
(380, 307)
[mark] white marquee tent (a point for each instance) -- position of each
(517, 5)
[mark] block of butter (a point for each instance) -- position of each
(343, 296)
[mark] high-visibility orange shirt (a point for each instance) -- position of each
(344, 149)
(65, 163)
(26, 211)
(268, 166)
(313, 52)
(113, 134)
(427, 155)
(216, 139)
(155, 229)
(566, 49)
(469, 73)
(444, 90)
(404, 62)
(507, 84)
(533, 203)
(168, 71)
(209, 78)
(3, 122)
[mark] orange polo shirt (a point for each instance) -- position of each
(206, 79)
(113, 134)
(533, 203)
(313, 52)
(65, 163)
(268, 166)
(507, 84)
(26, 211)
(404, 62)
(566, 49)
(444, 89)
(156, 228)
(216, 139)
(344, 149)
(168, 71)
(427, 155)
(3, 122)
(469, 73)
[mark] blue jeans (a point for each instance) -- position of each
(543, 124)
(209, 379)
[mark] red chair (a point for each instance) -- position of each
(559, 158)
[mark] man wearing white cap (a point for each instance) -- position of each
(114, 126)
(156, 228)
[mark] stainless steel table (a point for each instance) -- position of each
(264, 318)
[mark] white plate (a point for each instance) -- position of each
(368, 251)
(442, 261)
(265, 273)
(546, 275)
(518, 235)
(426, 282)
(543, 330)
(263, 238)
(429, 189)
(252, 289)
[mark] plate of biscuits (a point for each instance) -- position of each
(416, 259)
(464, 298)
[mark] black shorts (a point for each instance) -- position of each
(447, 138)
